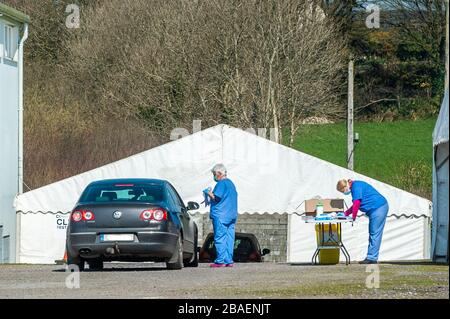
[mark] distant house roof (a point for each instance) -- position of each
(13, 14)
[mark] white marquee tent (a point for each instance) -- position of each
(270, 178)
(439, 249)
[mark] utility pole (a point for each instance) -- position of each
(446, 45)
(350, 139)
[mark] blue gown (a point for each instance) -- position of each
(376, 208)
(224, 216)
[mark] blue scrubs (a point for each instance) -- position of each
(224, 215)
(376, 208)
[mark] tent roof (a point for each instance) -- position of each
(269, 177)
(440, 133)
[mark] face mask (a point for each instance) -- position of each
(215, 178)
(347, 193)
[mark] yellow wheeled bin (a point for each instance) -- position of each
(328, 256)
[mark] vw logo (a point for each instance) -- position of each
(117, 214)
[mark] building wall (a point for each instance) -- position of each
(9, 104)
(271, 231)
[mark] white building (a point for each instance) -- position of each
(13, 33)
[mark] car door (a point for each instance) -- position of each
(185, 219)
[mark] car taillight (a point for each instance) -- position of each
(254, 256)
(157, 214)
(80, 215)
(146, 215)
(87, 215)
(77, 216)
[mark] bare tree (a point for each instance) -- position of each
(246, 63)
(284, 63)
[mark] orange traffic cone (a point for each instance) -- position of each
(65, 256)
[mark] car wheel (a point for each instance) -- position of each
(176, 262)
(194, 260)
(96, 264)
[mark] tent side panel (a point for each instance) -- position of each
(43, 238)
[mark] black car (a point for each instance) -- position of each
(246, 249)
(132, 220)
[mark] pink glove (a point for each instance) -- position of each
(354, 209)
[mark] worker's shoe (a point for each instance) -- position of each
(368, 261)
(229, 265)
(217, 265)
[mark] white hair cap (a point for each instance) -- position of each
(219, 168)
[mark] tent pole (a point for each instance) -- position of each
(350, 139)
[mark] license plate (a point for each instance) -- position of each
(116, 237)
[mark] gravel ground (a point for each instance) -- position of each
(264, 280)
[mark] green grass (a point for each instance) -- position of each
(398, 153)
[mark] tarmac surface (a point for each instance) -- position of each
(250, 280)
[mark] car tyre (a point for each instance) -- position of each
(176, 262)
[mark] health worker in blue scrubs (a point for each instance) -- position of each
(224, 211)
(368, 200)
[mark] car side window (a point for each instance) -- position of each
(173, 198)
(258, 247)
(176, 197)
(170, 198)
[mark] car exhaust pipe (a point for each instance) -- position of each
(85, 251)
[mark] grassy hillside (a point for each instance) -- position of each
(398, 153)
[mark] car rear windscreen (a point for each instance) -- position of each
(146, 193)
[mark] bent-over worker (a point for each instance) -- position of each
(368, 200)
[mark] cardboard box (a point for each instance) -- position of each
(329, 206)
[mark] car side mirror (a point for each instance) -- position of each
(265, 251)
(192, 206)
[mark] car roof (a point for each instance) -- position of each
(129, 180)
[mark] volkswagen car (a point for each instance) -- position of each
(131, 220)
